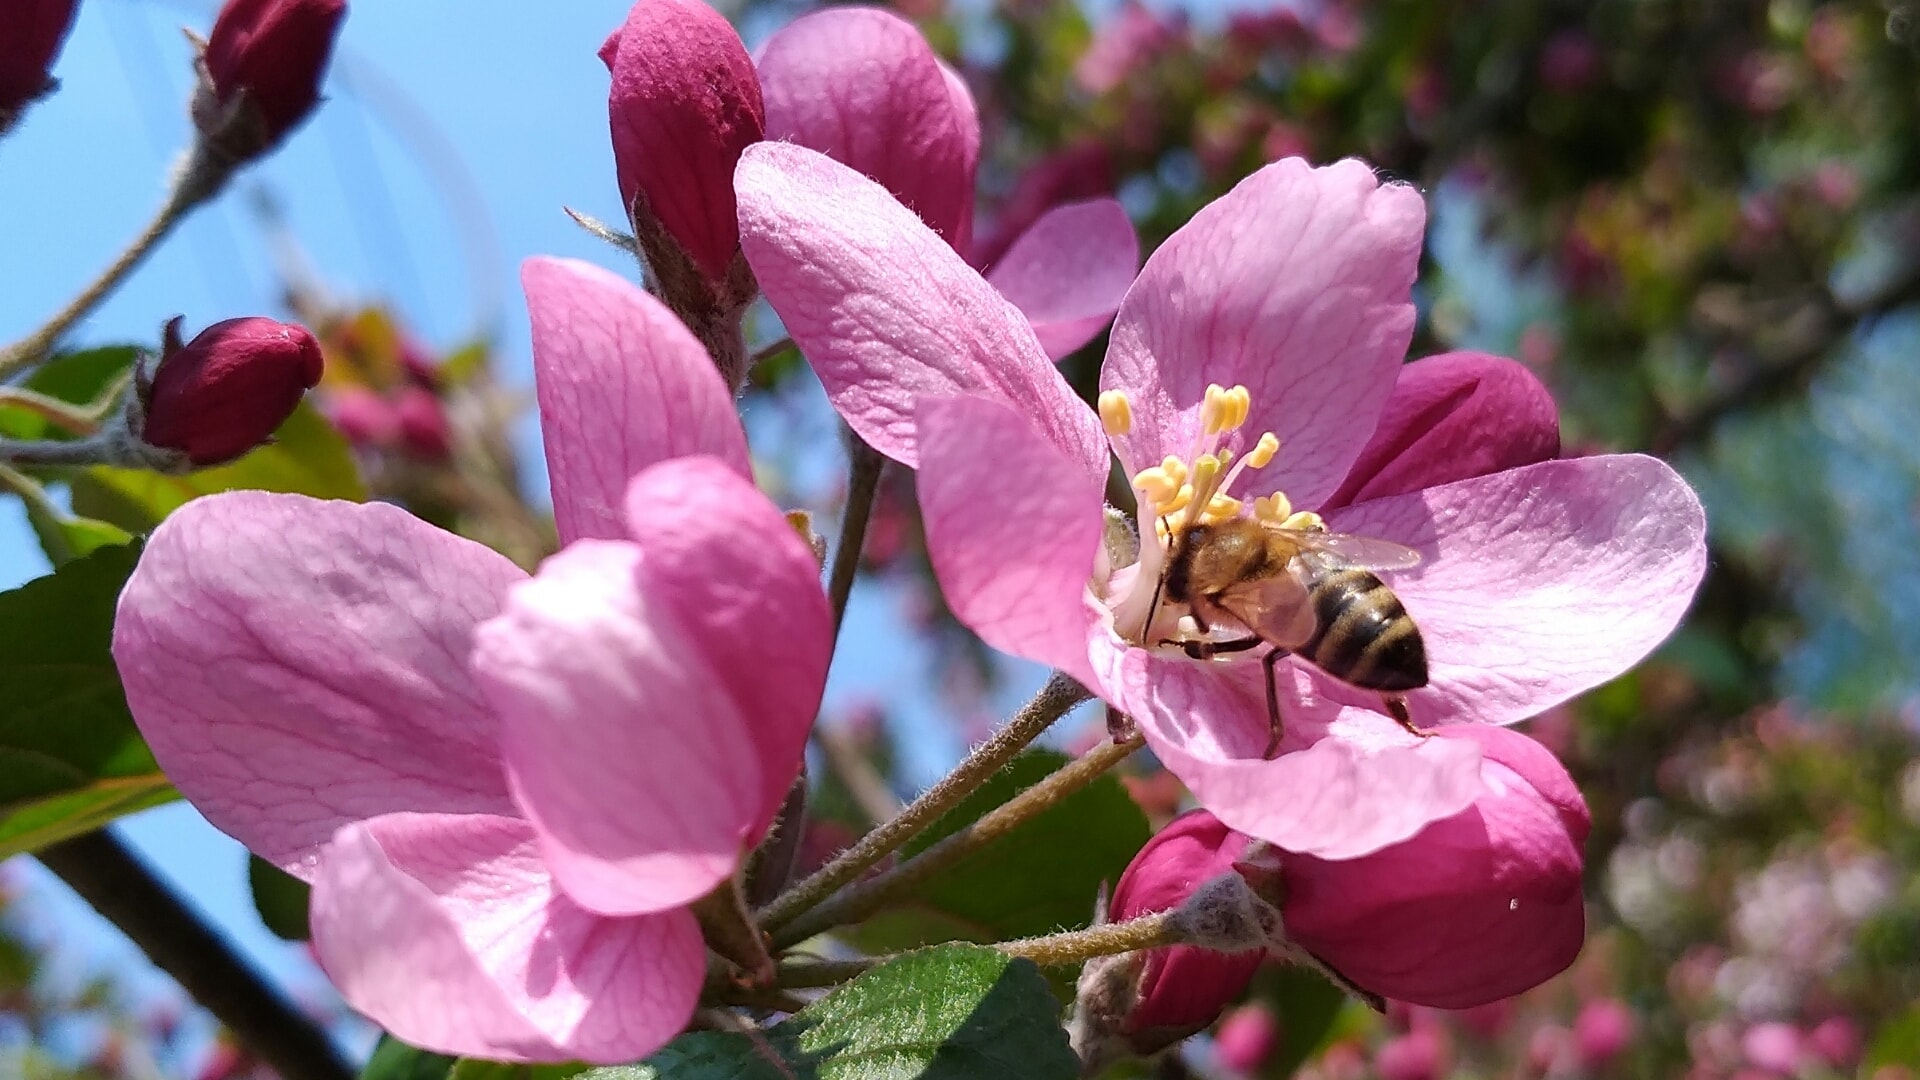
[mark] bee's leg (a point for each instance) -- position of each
(1397, 708)
(1207, 649)
(1274, 730)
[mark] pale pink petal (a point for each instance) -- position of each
(747, 592)
(1346, 782)
(1297, 284)
(1452, 417)
(1012, 533)
(887, 313)
(1069, 272)
(604, 703)
(447, 931)
(622, 384)
(1539, 582)
(297, 665)
(862, 86)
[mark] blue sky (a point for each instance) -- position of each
(454, 134)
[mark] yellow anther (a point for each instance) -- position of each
(1274, 508)
(1213, 411)
(1175, 468)
(1179, 501)
(1304, 521)
(1206, 471)
(1236, 404)
(1263, 451)
(1116, 412)
(1155, 484)
(1221, 508)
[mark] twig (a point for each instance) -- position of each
(864, 465)
(856, 772)
(1053, 701)
(863, 899)
(125, 892)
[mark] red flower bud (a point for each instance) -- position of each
(271, 54)
(685, 102)
(34, 31)
(1472, 909)
(224, 392)
(1182, 988)
(424, 430)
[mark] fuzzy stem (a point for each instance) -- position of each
(200, 178)
(864, 465)
(93, 451)
(1053, 701)
(863, 899)
(1149, 931)
(769, 351)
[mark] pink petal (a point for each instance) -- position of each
(863, 87)
(297, 665)
(887, 313)
(1347, 781)
(1012, 533)
(1539, 582)
(447, 931)
(1296, 284)
(674, 676)
(746, 589)
(1069, 272)
(604, 703)
(1452, 417)
(622, 384)
(684, 102)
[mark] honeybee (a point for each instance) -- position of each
(1307, 593)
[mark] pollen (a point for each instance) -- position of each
(1116, 412)
(1198, 485)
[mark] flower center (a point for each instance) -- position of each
(1182, 492)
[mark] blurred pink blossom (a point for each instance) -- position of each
(1296, 284)
(1838, 1040)
(1773, 1045)
(1126, 42)
(1246, 1038)
(506, 790)
(1417, 1055)
(1603, 1031)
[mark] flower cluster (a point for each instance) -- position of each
(531, 805)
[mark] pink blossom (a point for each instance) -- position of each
(1539, 578)
(1246, 1038)
(1603, 1031)
(1126, 42)
(1416, 1055)
(1774, 1046)
(504, 789)
(863, 87)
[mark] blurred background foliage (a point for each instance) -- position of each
(1699, 223)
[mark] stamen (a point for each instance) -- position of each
(1213, 409)
(1116, 412)
(1262, 453)
(1239, 402)
(1274, 508)
(1305, 521)
(1220, 508)
(1156, 484)
(1177, 503)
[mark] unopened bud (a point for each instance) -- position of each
(33, 32)
(223, 393)
(424, 430)
(260, 72)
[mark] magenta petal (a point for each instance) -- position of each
(618, 747)
(1539, 582)
(746, 590)
(1012, 534)
(1297, 284)
(1360, 786)
(1070, 271)
(887, 313)
(296, 665)
(1453, 417)
(448, 932)
(863, 87)
(622, 384)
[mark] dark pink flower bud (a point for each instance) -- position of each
(1182, 988)
(424, 430)
(223, 393)
(1474, 908)
(363, 417)
(685, 102)
(1247, 1037)
(1838, 1040)
(1602, 1032)
(34, 31)
(263, 66)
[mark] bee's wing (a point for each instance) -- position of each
(1275, 609)
(1344, 551)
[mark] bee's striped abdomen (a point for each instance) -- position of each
(1362, 635)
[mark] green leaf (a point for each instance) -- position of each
(78, 378)
(956, 1012)
(71, 759)
(307, 457)
(395, 1060)
(1897, 1042)
(280, 898)
(476, 1069)
(1039, 878)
